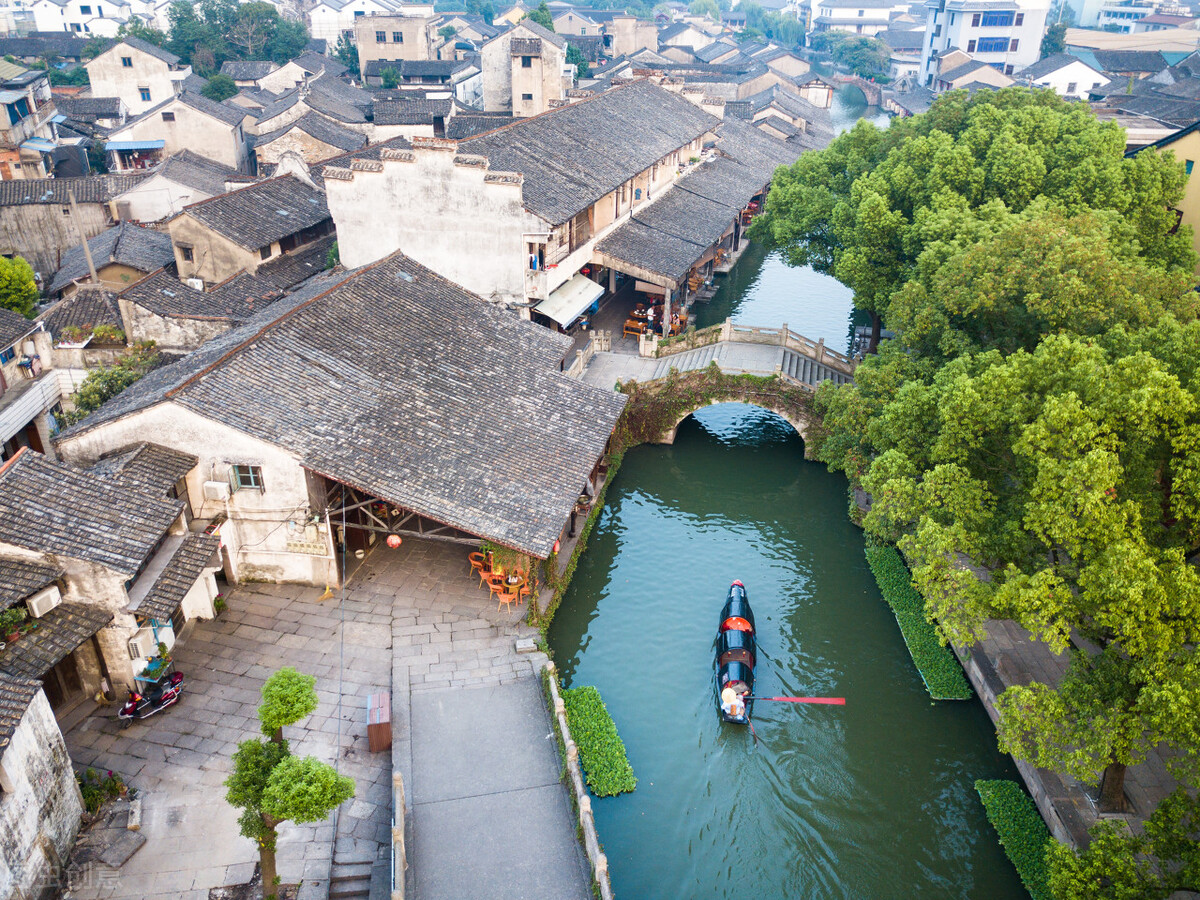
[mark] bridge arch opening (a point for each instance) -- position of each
(797, 424)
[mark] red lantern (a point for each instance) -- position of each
(393, 541)
(557, 546)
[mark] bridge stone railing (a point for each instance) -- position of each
(745, 334)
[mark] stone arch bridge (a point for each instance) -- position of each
(678, 376)
(872, 91)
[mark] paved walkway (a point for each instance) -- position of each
(415, 620)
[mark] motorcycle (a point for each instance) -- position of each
(157, 698)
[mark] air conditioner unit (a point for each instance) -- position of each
(142, 645)
(216, 490)
(44, 601)
(196, 284)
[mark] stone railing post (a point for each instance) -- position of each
(783, 335)
(727, 329)
(821, 350)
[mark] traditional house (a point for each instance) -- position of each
(343, 105)
(1066, 75)
(396, 37)
(35, 215)
(331, 19)
(107, 112)
(953, 76)
(525, 70)
(130, 572)
(122, 255)
(236, 232)
(457, 78)
(248, 72)
(138, 72)
(27, 136)
(57, 46)
(313, 137)
(411, 117)
(184, 122)
(40, 803)
(628, 34)
(177, 181)
(328, 405)
(682, 34)
(29, 391)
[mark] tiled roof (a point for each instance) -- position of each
(335, 108)
(91, 189)
(63, 44)
(315, 62)
(15, 696)
(21, 578)
(247, 69)
(193, 555)
(1130, 60)
(13, 327)
(125, 244)
(902, 40)
(87, 307)
(378, 378)
(256, 216)
(151, 466)
(195, 171)
(316, 125)
(669, 235)
(544, 33)
(712, 51)
(89, 107)
(574, 155)
(461, 127)
(56, 508)
(336, 89)
(787, 129)
(235, 300)
(146, 47)
(289, 269)
(411, 112)
(58, 635)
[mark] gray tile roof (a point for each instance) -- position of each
(411, 112)
(574, 155)
(544, 33)
(151, 466)
(146, 47)
(1050, 64)
(903, 40)
(256, 216)
(125, 244)
(193, 555)
(316, 125)
(89, 108)
(21, 578)
(669, 235)
(713, 50)
(86, 308)
(787, 129)
(13, 327)
(44, 45)
(461, 126)
(335, 108)
(1130, 60)
(15, 696)
(235, 300)
(196, 171)
(379, 378)
(90, 189)
(57, 636)
(247, 69)
(316, 62)
(56, 508)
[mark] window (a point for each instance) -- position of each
(168, 117)
(1071, 87)
(952, 18)
(997, 19)
(8, 354)
(359, 13)
(582, 31)
(937, 31)
(1020, 20)
(144, 93)
(85, 10)
(527, 96)
(247, 477)
(75, 26)
(975, 20)
(66, 210)
(526, 62)
(265, 252)
(861, 13)
(1187, 167)
(381, 37)
(970, 46)
(1012, 47)
(992, 45)
(186, 253)
(127, 62)
(1008, 70)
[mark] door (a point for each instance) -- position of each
(63, 685)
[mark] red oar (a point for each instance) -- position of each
(831, 701)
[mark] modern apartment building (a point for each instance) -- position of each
(1007, 34)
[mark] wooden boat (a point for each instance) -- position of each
(736, 655)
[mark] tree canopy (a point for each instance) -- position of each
(220, 87)
(864, 56)
(542, 16)
(288, 696)
(18, 289)
(207, 33)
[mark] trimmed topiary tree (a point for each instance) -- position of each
(288, 696)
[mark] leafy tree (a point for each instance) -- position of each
(139, 29)
(220, 87)
(482, 8)
(288, 41)
(391, 78)
(347, 54)
(447, 32)
(1119, 865)
(708, 8)
(1055, 40)
(254, 27)
(18, 289)
(102, 384)
(97, 159)
(542, 16)
(575, 57)
(270, 785)
(866, 208)
(867, 57)
(288, 697)
(95, 46)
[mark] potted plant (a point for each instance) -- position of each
(10, 623)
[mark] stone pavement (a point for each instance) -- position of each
(416, 618)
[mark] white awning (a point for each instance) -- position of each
(568, 301)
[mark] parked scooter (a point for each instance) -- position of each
(157, 698)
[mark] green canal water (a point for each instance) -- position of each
(871, 800)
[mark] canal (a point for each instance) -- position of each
(871, 800)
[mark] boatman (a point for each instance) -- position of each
(732, 704)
